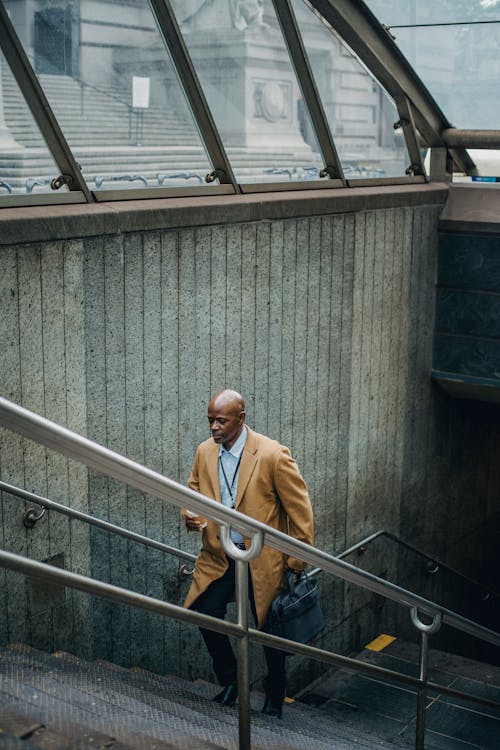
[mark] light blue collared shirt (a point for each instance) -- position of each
(229, 469)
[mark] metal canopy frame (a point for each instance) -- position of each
(172, 36)
(286, 17)
(374, 45)
(420, 117)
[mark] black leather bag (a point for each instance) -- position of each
(296, 614)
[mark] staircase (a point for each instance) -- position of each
(88, 115)
(62, 702)
(388, 710)
(101, 130)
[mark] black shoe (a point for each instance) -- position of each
(228, 695)
(272, 708)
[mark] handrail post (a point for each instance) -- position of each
(422, 691)
(241, 590)
(425, 631)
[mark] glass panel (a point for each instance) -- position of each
(251, 89)
(26, 165)
(114, 91)
(453, 46)
(361, 114)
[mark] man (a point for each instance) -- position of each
(259, 477)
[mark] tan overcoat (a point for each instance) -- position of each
(271, 490)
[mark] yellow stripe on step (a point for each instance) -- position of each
(380, 643)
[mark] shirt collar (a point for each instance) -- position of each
(237, 449)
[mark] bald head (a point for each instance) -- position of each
(226, 417)
(229, 397)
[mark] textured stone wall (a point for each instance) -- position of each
(324, 324)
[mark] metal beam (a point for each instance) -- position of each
(40, 109)
(407, 124)
(486, 139)
(307, 83)
(374, 45)
(172, 36)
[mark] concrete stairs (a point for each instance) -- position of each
(91, 115)
(101, 132)
(62, 702)
(388, 710)
(59, 701)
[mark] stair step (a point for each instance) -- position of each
(105, 121)
(389, 710)
(130, 703)
(63, 703)
(445, 662)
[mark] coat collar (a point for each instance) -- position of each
(248, 463)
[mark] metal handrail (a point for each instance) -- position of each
(120, 595)
(162, 547)
(363, 543)
(119, 467)
(110, 463)
(94, 521)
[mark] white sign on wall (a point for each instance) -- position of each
(140, 92)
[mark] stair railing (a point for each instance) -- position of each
(115, 465)
(30, 518)
(433, 564)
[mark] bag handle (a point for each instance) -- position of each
(292, 578)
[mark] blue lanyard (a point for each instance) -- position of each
(230, 486)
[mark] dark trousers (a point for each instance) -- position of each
(214, 602)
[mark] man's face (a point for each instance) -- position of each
(226, 421)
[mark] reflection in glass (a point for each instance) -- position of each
(360, 113)
(409, 12)
(111, 84)
(242, 62)
(26, 165)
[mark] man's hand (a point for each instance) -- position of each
(193, 522)
(297, 572)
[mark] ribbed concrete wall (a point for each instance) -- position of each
(324, 324)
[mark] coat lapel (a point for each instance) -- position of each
(248, 463)
(213, 470)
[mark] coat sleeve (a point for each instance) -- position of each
(294, 498)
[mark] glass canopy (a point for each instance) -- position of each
(357, 106)
(190, 96)
(114, 91)
(26, 164)
(454, 47)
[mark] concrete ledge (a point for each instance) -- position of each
(468, 386)
(472, 208)
(58, 222)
